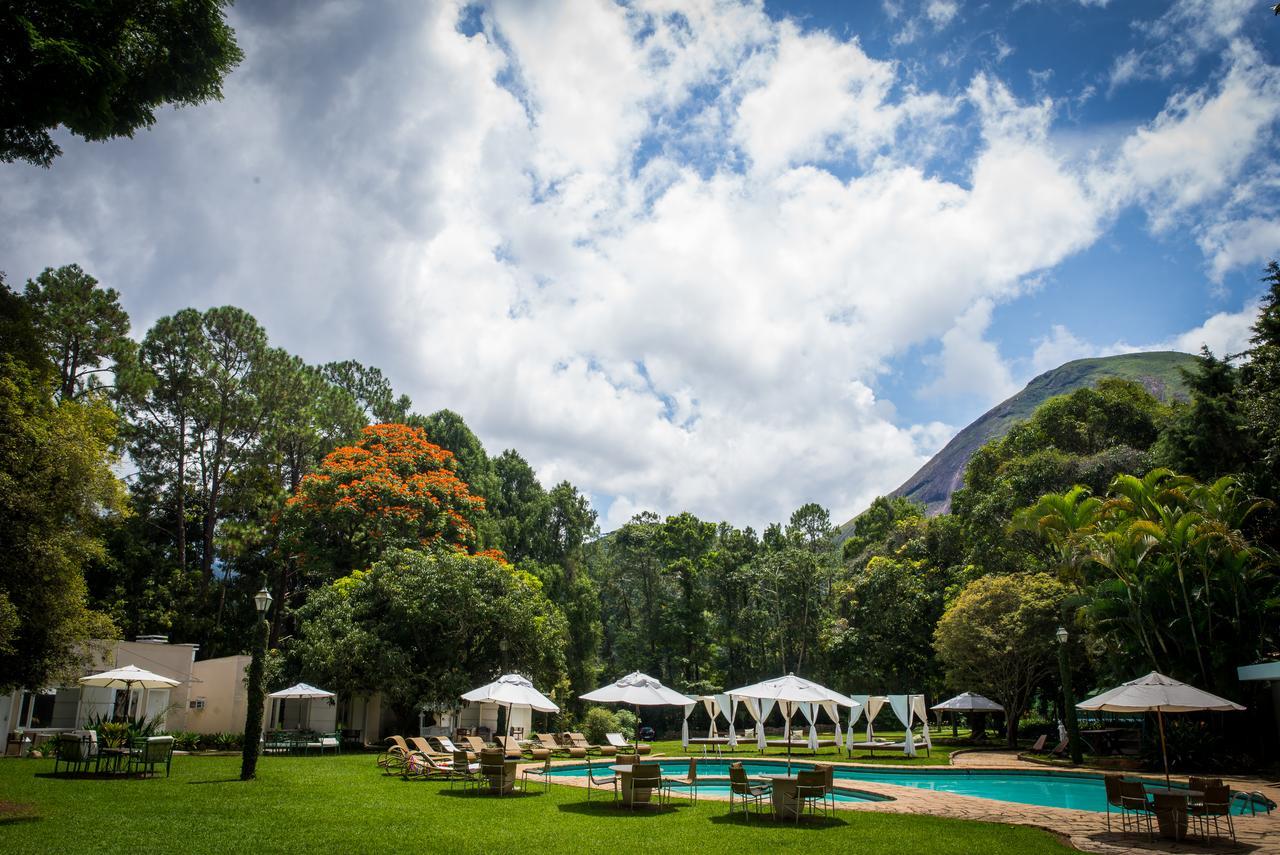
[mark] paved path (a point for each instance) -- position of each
(1086, 830)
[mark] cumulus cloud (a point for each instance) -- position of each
(665, 249)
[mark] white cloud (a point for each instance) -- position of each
(664, 249)
(1225, 333)
(941, 12)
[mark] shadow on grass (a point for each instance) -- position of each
(472, 794)
(605, 807)
(812, 823)
(12, 813)
(217, 781)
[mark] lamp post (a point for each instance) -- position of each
(1068, 697)
(253, 716)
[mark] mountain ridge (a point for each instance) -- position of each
(935, 481)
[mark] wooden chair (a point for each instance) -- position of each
(741, 789)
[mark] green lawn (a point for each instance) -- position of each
(344, 804)
(940, 755)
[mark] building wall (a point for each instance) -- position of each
(219, 683)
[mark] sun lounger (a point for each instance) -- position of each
(548, 742)
(1038, 747)
(617, 742)
(1060, 750)
(510, 747)
(422, 746)
(447, 747)
(475, 743)
(393, 758)
(578, 740)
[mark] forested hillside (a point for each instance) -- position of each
(406, 558)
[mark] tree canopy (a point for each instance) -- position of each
(101, 69)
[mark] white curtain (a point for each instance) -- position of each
(922, 711)
(874, 705)
(759, 709)
(727, 707)
(810, 713)
(709, 703)
(684, 728)
(834, 711)
(902, 709)
(860, 706)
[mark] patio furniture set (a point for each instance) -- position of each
(79, 752)
(1177, 811)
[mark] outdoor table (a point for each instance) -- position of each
(714, 741)
(624, 772)
(1106, 737)
(1173, 823)
(784, 795)
(113, 755)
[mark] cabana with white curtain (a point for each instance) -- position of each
(641, 690)
(717, 706)
(301, 714)
(908, 709)
(791, 694)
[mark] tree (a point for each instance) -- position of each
(1261, 392)
(997, 639)
(371, 390)
(80, 326)
(393, 488)
(422, 628)
(874, 524)
(101, 69)
(1210, 437)
(56, 484)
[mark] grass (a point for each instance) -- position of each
(345, 804)
(940, 755)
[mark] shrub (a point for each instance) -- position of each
(186, 740)
(627, 722)
(597, 722)
(228, 741)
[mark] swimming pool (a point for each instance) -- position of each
(1067, 790)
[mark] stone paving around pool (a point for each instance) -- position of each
(1086, 830)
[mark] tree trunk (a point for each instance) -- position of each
(1011, 729)
(182, 492)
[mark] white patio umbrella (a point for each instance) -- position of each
(127, 678)
(969, 702)
(1159, 694)
(300, 692)
(790, 692)
(513, 691)
(639, 690)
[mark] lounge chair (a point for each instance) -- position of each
(510, 747)
(578, 740)
(447, 747)
(601, 780)
(1038, 746)
(324, 742)
(743, 789)
(476, 744)
(423, 746)
(427, 766)
(1060, 750)
(620, 744)
(643, 777)
(548, 742)
(689, 781)
(393, 758)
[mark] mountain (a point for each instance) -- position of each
(934, 483)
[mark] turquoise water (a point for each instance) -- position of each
(1079, 792)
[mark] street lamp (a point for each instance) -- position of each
(1068, 697)
(253, 716)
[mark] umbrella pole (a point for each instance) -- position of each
(1164, 753)
(788, 739)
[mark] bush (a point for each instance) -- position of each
(186, 740)
(597, 722)
(228, 741)
(627, 722)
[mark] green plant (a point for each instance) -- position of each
(228, 741)
(186, 740)
(597, 722)
(627, 723)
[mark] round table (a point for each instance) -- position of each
(624, 771)
(783, 795)
(1173, 822)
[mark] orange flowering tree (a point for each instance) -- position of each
(393, 488)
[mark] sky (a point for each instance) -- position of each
(716, 256)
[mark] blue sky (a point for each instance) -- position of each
(706, 255)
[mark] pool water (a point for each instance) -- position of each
(1075, 791)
